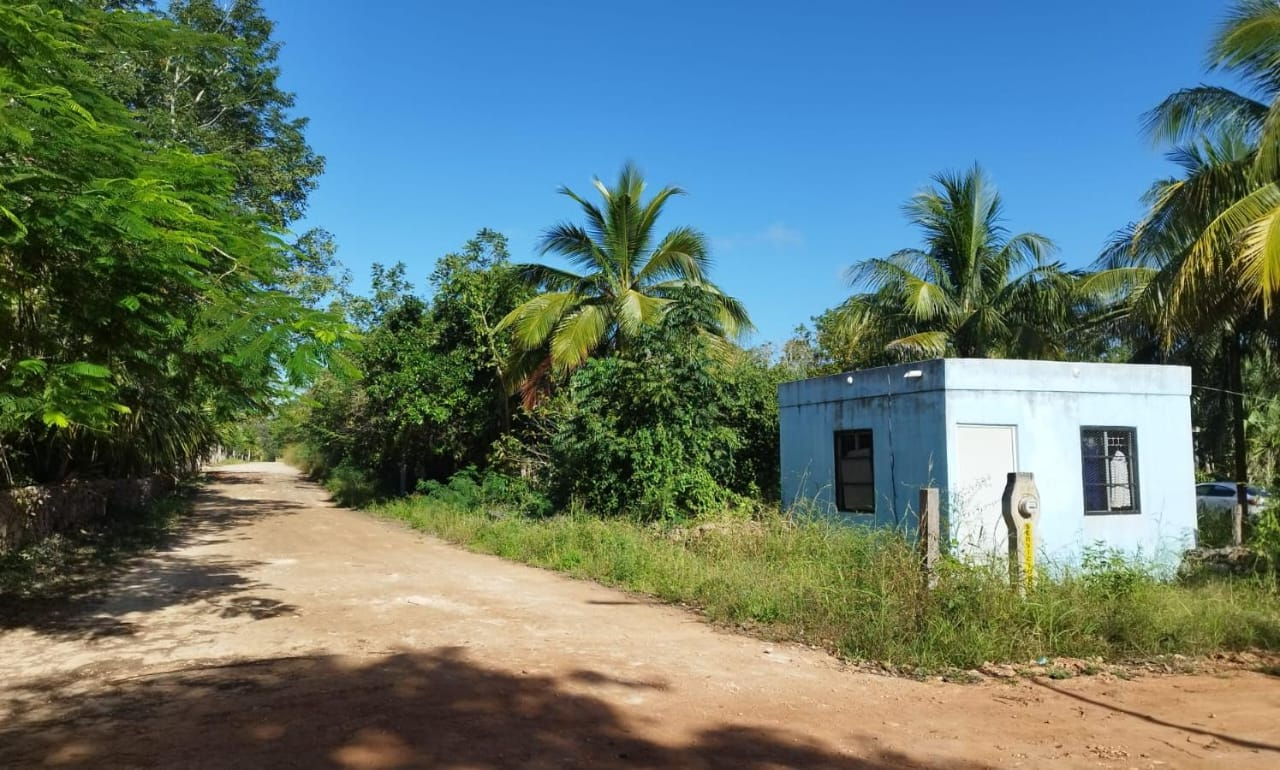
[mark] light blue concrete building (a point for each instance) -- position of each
(1110, 446)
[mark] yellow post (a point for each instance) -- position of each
(1021, 508)
(1028, 556)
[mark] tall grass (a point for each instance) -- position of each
(859, 592)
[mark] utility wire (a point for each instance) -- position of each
(1235, 393)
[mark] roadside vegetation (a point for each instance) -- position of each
(598, 415)
(859, 592)
(151, 294)
(596, 412)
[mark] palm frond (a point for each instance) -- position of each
(732, 316)
(1248, 43)
(579, 333)
(1213, 247)
(1114, 284)
(931, 344)
(1259, 264)
(682, 254)
(1188, 114)
(533, 322)
(597, 227)
(636, 310)
(576, 245)
(550, 278)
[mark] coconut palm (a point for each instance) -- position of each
(971, 290)
(1179, 302)
(1241, 241)
(1203, 266)
(629, 279)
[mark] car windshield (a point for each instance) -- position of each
(1256, 492)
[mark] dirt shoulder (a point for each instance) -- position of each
(281, 631)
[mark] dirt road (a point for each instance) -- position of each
(279, 631)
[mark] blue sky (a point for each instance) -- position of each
(797, 128)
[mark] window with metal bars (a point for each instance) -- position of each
(1109, 461)
(855, 472)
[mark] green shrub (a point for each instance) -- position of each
(1213, 527)
(1264, 538)
(669, 429)
(351, 486)
(494, 492)
(307, 459)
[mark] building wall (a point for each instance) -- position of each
(907, 418)
(1049, 403)
(914, 421)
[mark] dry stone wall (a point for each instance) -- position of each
(28, 514)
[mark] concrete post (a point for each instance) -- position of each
(1237, 525)
(930, 535)
(1021, 507)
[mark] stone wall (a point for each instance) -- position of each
(28, 514)
(1222, 561)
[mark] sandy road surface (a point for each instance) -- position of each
(279, 631)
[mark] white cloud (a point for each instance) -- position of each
(775, 237)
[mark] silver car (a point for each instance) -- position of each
(1221, 496)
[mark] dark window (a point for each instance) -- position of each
(1221, 491)
(1109, 458)
(855, 472)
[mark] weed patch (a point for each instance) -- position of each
(859, 592)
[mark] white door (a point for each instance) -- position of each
(985, 455)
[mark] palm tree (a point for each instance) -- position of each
(1203, 266)
(1241, 241)
(629, 279)
(1181, 303)
(972, 290)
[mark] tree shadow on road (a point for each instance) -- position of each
(1155, 720)
(111, 574)
(408, 710)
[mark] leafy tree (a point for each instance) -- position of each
(666, 429)
(630, 279)
(646, 435)
(141, 302)
(430, 399)
(473, 290)
(971, 290)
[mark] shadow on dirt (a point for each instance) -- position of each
(422, 710)
(76, 606)
(1242, 742)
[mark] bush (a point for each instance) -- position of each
(672, 429)
(307, 459)
(1213, 527)
(469, 491)
(351, 487)
(1265, 538)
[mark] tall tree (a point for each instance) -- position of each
(630, 278)
(971, 290)
(141, 300)
(1241, 242)
(1204, 263)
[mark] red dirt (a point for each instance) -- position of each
(280, 631)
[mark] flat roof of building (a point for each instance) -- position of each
(989, 374)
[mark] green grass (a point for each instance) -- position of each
(858, 592)
(72, 564)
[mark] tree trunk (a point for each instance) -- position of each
(1242, 450)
